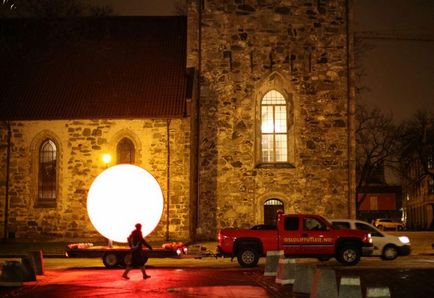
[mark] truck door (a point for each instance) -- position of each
(314, 236)
(289, 235)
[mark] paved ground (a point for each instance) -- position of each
(90, 279)
(99, 282)
(411, 276)
(207, 277)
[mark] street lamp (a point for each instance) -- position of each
(106, 158)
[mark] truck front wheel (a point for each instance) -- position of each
(110, 260)
(348, 255)
(248, 257)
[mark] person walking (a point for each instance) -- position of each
(138, 257)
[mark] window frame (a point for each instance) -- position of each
(132, 150)
(275, 107)
(41, 201)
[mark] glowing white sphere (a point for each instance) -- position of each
(122, 196)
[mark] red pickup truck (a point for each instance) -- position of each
(298, 235)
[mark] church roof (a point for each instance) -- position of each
(86, 68)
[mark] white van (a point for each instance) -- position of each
(387, 246)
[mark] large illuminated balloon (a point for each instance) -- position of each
(122, 196)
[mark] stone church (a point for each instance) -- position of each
(238, 109)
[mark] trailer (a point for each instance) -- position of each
(114, 256)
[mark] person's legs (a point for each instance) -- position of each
(144, 272)
(125, 274)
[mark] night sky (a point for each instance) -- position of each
(399, 73)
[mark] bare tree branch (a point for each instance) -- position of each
(417, 149)
(377, 146)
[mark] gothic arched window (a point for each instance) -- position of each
(125, 151)
(274, 128)
(47, 182)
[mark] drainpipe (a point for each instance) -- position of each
(350, 112)
(168, 180)
(8, 159)
(199, 70)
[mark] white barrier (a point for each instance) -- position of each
(285, 271)
(304, 274)
(324, 284)
(378, 292)
(272, 262)
(37, 259)
(14, 271)
(350, 287)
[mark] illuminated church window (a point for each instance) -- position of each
(274, 128)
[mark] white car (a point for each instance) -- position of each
(387, 246)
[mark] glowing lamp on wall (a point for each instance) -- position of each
(122, 196)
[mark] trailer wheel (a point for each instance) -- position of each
(110, 260)
(248, 257)
(126, 260)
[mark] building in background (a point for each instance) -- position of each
(239, 109)
(381, 194)
(419, 195)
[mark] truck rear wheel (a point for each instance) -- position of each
(348, 255)
(110, 260)
(248, 257)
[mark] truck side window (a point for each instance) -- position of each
(341, 225)
(291, 223)
(312, 224)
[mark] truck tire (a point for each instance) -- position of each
(348, 255)
(247, 257)
(111, 260)
(390, 252)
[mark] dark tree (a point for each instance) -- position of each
(376, 147)
(417, 148)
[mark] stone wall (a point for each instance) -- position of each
(298, 47)
(81, 144)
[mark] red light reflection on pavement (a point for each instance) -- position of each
(192, 282)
